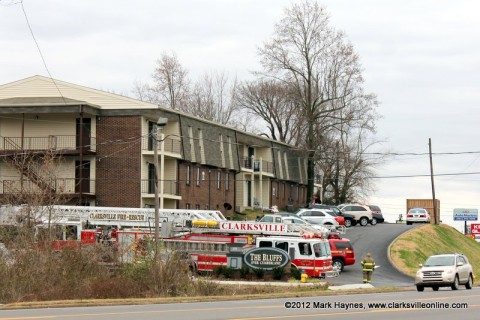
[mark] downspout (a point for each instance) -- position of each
(81, 157)
(235, 174)
(182, 136)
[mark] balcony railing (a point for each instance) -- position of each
(257, 165)
(61, 142)
(172, 145)
(169, 187)
(267, 166)
(60, 186)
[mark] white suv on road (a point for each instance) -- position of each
(445, 270)
(362, 213)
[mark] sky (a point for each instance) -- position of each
(421, 58)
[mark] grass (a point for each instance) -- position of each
(416, 245)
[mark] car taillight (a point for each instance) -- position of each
(422, 216)
(409, 215)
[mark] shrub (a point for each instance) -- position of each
(259, 273)
(244, 272)
(219, 271)
(296, 274)
(228, 272)
(278, 273)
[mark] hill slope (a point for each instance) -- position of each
(415, 245)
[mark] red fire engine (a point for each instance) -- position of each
(205, 236)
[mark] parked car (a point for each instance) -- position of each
(417, 215)
(377, 216)
(275, 218)
(320, 216)
(342, 253)
(362, 213)
(349, 219)
(445, 270)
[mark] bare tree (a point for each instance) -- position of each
(213, 98)
(38, 186)
(318, 64)
(144, 92)
(344, 162)
(275, 105)
(171, 84)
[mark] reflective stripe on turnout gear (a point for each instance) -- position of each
(368, 265)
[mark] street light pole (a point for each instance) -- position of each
(161, 122)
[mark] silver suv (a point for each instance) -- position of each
(445, 270)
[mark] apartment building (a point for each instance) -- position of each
(97, 148)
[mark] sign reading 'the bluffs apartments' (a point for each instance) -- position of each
(266, 258)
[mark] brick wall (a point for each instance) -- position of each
(118, 176)
(284, 196)
(206, 193)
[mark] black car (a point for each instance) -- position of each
(349, 218)
(376, 214)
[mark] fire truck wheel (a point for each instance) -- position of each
(337, 263)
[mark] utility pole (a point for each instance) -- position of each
(435, 219)
(162, 122)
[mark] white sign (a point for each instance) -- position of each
(253, 226)
(465, 214)
(117, 216)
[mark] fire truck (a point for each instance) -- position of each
(204, 236)
(207, 244)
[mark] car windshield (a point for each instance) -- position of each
(436, 261)
(417, 211)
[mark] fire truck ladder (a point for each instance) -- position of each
(259, 228)
(122, 215)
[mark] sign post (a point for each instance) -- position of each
(465, 215)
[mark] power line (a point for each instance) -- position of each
(40, 51)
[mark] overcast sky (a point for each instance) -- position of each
(422, 59)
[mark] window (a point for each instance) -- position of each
(187, 175)
(197, 206)
(187, 206)
(265, 244)
(227, 180)
(341, 245)
(198, 176)
(219, 177)
(282, 245)
(304, 248)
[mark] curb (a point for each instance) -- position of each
(390, 257)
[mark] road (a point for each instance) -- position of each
(374, 239)
(320, 307)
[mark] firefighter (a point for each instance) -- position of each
(368, 265)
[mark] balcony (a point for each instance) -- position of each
(265, 167)
(170, 144)
(62, 186)
(64, 143)
(169, 187)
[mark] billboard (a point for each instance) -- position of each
(465, 214)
